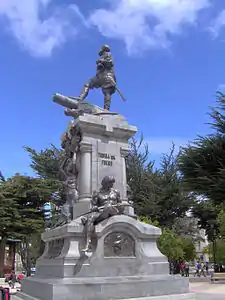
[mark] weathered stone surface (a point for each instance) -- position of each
(126, 262)
(119, 244)
(55, 248)
(102, 151)
(147, 260)
(103, 277)
(107, 136)
(188, 296)
(108, 288)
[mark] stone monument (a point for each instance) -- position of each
(101, 250)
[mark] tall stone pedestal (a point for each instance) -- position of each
(126, 262)
(102, 151)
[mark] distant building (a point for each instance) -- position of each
(12, 258)
(201, 240)
(200, 247)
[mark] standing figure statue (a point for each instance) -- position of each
(68, 170)
(105, 204)
(105, 78)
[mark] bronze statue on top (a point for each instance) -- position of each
(105, 78)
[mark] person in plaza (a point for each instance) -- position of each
(12, 279)
(207, 268)
(186, 265)
(182, 268)
(20, 277)
(197, 269)
(202, 270)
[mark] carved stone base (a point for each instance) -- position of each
(125, 247)
(126, 264)
(124, 287)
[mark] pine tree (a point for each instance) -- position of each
(8, 213)
(159, 194)
(174, 201)
(140, 177)
(21, 208)
(46, 165)
(202, 163)
(27, 196)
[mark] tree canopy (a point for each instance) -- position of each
(46, 164)
(159, 193)
(21, 208)
(22, 199)
(202, 163)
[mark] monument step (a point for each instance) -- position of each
(189, 296)
(107, 288)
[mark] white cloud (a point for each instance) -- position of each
(40, 26)
(163, 145)
(37, 34)
(218, 23)
(144, 24)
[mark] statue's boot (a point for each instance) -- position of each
(107, 101)
(84, 92)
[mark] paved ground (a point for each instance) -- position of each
(208, 291)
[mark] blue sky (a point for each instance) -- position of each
(169, 62)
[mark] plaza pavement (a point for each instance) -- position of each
(208, 291)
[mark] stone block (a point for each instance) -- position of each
(134, 267)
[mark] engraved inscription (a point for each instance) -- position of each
(55, 248)
(119, 244)
(106, 159)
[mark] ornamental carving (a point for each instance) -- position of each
(119, 244)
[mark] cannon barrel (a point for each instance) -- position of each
(65, 101)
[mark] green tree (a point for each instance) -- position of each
(219, 253)
(22, 213)
(202, 163)
(141, 178)
(46, 164)
(29, 196)
(171, 245)
(31, 249)
(8, 213)
(206, 212)
(174, 201)
(221, 223)
(188, 248)
(158, 193)
(174, 246)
